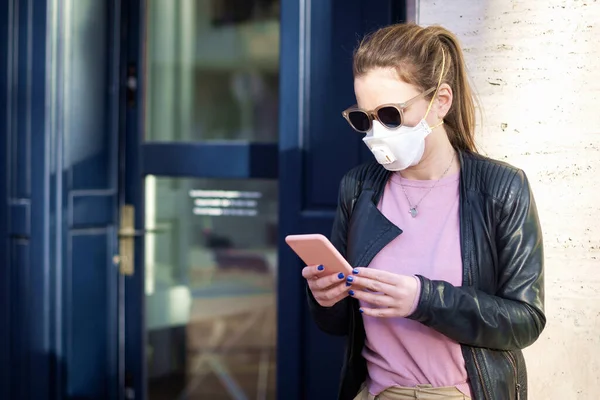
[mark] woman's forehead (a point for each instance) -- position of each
(381, 86)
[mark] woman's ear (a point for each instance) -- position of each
(444, 100)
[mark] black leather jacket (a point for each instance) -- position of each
(498, 311)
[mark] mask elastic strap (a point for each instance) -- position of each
(437, 88)
(438, 124)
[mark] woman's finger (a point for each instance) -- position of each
(378, 275)
(380, 312)
(371, 284)
(311, 271)
(326, 282)
(333, 294)
(380, 300)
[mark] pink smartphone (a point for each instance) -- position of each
(316, 249)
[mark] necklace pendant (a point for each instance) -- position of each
(413, 212)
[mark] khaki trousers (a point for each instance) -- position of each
(422, 392)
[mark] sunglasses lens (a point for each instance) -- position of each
(359, 121)
(390, 117)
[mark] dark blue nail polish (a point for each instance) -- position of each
(348, 284)
(350, 279)
(361, 310)
(320, 268)
(341, 275)
(351, 292)
(355, 271)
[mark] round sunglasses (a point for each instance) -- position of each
(389, 115)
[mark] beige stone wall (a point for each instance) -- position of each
(536, 67)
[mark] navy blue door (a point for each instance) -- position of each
(201, 162)
(81, 208)
(233, 140)
(59, 195)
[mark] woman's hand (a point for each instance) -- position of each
(394, 294)
(327, 289)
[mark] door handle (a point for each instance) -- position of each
(133, 233)
(127, 234)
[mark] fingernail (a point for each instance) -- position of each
(320, 268)
(350, 279)
(355, 271)
(361, 310)
(348, 284)
(341, 275)
(351, 292)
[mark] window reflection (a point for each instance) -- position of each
(212, 70)
(224, 12)
(210, 271)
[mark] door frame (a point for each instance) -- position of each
(132, 319)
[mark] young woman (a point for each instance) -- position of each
(454, 288)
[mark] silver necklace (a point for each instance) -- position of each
(413, 209)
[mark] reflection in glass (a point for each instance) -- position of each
(212, 70)
(210, 271)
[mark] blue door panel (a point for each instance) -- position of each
(92, 208)
(15, 261)
(58, 183)
(332, 147)
(41, 308)
(27, 194)
(19, 148)
(19, 224)
(211, 160)
(87, 206)
(4, 250)
(90, 298)
(20, 289)
(316, 148)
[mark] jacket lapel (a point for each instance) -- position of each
(466, 235)
(369, 230)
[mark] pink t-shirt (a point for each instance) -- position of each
(400, 351)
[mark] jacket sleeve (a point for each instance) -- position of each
(514, 317)
(335, 320)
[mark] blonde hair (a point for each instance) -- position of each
(416, 54)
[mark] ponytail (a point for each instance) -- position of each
(461, 117)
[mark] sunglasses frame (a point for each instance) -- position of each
(372, 115)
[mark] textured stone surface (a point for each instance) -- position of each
(535, 65)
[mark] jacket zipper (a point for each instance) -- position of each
(483, 385)
(513, 363)
(352, 327)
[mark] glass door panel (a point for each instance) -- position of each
(211, 93)
(212, 70)
(210, 286)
